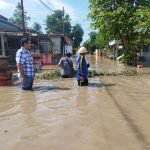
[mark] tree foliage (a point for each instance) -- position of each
(77, 34)
(54, 22)
(91, 43)
(96, 41)
(37, 27)
(128, 20)
(17, 16)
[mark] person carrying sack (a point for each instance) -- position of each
(82, 67)
(66, 65)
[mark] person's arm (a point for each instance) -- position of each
(20, 59)
(88, 65)
(60, 62)
(20, 68)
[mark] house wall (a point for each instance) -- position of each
(56, 44)
(45, 46)
(68, 48)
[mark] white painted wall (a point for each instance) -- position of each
(68, 48)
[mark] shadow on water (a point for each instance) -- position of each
(100, 85)
(43, 89)
(109, 84)
(97, 85)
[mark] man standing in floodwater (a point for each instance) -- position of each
(25, 64)
(82, 67)
(66, 65)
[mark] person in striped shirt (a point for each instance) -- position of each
(25, 64)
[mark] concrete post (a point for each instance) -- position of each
(3, 46)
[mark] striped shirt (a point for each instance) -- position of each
(24, 57)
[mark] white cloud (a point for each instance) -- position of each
(5, 5)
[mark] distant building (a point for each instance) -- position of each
(61, 43)
(44, 44)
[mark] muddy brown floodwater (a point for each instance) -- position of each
(112, 113)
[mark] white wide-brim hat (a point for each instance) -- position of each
(82, 50)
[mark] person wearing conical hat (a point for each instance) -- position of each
(82, 67)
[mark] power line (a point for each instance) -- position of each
(46, 6)
(50, 5)
(39, 6)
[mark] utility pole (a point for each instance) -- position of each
(63, 21)
(23, 24)
(63, 31)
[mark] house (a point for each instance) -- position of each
(61, 43)
(68, 45)
(117, 48)
(5, 26)
(10, 36)
(42, 44)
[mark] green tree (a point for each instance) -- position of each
(54, 22)
(142, 28)
(121, 20)
(93, 35)
(87, 44)
(91, 44)
(17, 16)
(96, 41)
(77, 35)
(37, 27)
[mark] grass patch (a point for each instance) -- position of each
(48, 75)
(55, 74)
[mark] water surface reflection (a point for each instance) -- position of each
(60, 115)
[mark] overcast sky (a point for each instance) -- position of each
(77, 10)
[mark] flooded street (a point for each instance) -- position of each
(112, 113)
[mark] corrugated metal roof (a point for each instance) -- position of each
(8, 27)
